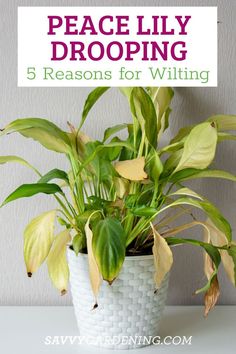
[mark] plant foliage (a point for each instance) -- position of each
(121, 191)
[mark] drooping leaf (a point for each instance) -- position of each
(163, 257)
(132, 169)
(225, 136)
(38, 238)
(92, 98)
(54, 174)
(6, 159)
(94, 273)
(227, 264)
(211, 295)
(41, 130)
(218, 238)
(211, 211)
(192, 173)
(28, 190)
(143, 109)
(57, 263)
(199, 147)
(208, 264)
(210, 249)
(186, 192)
(109, 247)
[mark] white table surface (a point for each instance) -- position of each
(23, 330)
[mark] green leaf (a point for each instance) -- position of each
(113, 130)
(88, 214)
(54, 174)
(211, 211)
(57, 263)
(143, 109)
(6, 159)
(153, 165)
(142, 210)
(182, 133)
(28, 190)
(210, 249)
(225, 136)
(219, 239)
(63, 222)
(78, 243)
(92, 98)
(186, 192)
(199, 147)
(232, 252)
(171, 163)
(191, 173)
(112, 154)
(224, 122)
(38, 239)
(97, 148)
(97, 159)
(41, 130)
(109, 247)
(171, 148)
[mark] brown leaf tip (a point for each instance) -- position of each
(63, 292)
(95, 306)
(213, 124)
(29, 274)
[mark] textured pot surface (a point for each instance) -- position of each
(128, 312)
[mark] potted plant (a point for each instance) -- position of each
(114, 208)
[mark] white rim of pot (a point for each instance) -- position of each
(128, 258)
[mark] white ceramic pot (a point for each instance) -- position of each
(129, 310)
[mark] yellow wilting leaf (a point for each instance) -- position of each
(57, 263)
(219, 239)
(211, 296)
(94, 274)
(132, 169)
(122, 186)
(38, 238)
(208, 264)
(163, 257)
(213, 293)
(199, 147)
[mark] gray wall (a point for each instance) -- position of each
(62, 104)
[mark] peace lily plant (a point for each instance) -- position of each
(115, 199)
